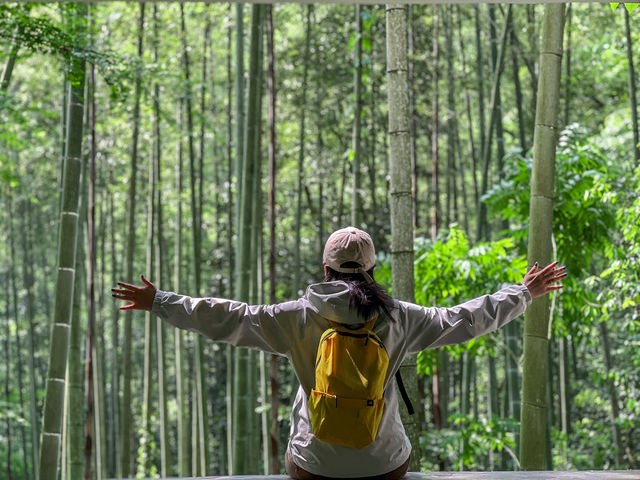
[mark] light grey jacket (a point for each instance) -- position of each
(293, 329)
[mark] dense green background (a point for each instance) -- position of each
(594, 383)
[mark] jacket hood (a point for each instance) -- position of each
(331, 300)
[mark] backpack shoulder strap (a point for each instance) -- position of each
(403, 393)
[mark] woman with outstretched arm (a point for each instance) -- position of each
(351, 303)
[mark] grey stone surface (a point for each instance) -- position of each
(584, 475)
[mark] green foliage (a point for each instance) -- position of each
(42, 35)
(587, 190)
(450, 271)
(467, 445)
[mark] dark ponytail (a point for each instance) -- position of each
(367, 299)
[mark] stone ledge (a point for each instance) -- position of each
(543, 475)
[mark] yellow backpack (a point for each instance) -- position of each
(347, 402)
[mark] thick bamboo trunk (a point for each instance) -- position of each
(59, 346)
(400, 191)
(536, 330)
(75, 375)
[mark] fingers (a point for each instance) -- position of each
(130, 306)
(129, 286)
(146, 282)
(559, 277)
(549, 268)
(533, 269)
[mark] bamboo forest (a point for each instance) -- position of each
(214, 147)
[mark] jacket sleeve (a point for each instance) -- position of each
(432, 327)
(264, 327)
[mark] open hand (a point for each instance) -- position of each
(140, 298)
(542, 282)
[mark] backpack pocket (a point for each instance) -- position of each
(350, 422)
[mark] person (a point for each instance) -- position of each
(349, 296)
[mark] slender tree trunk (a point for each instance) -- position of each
(472, 143)
(400, 190)
(114, 426)
(613, 394)
(453, 213)
(565, 387)
(240, 109)
(149, 324)
(229, 225)
(567, 52)
(273, 372)
(497, 60)
(356, 203)
(100, 367)
(482, 231)
(512, 353)
(492, 403)
(59, 346)
(165, 447)
(480, 76)
(126, 432)
(495, 63)
(466, 366)
(414, 121)
(27, 276)
(536, 330)
(7, 366)
(435, 121)
(91, 314)
(7, 71)
(181, 375)
(227, 457)
(297, 265)
(515, 67)
(26, 457)
(196, 226)
(243, 403)
(632, 88)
